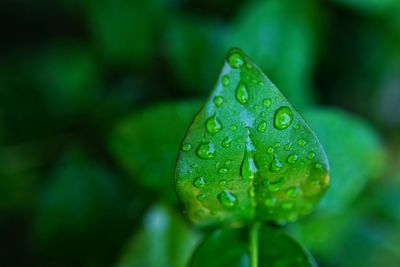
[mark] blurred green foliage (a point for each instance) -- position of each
(95, 97)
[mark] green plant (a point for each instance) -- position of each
(249, 158)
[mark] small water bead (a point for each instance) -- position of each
(187, 147)
(225, 80)
(311, 155)
(292, 159)
(227, 199)
(206, 151)
(233, 127)
(213, 125)
(276, 164)
(270, 150)
(267, 102)
(270, 202)
(318, 166)
(218, 101)
(288, 146)
(301, 142)
(228, 162)
(283, 118)
(274, 186)
(249, 66)
(255, 106)
(260, 83)
(236, 60)
(201, 197)
(199, 182)
(296, 126)
(293, 192)
(262, 127)
(278, 144)
(227, 142)
(242, 95)
(263, 114)
(248, 169)
(223, 170)
(287, 205)
(222, 182)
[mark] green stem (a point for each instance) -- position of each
(254, 244)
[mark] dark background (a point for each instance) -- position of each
(72, 72)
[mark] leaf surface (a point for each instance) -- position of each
(164, 240)
(248, 154)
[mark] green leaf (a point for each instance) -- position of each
(165, 240)
(248, 155)
(188, 42)
(372, 6)
(126, 32)
(281, 36)
(355, 152)
(231, 247)
(146, 143)
(84, 208)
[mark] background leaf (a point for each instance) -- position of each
(354, 150)
(276, 248)
(164, 240)
(283, 48)
(146, 143)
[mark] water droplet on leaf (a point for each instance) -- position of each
(267, 102)
(218, 101)
(292, 159)
(262, 126)
(227, 199)
(227, 142)
(276, 164)
(199, 182)
(225, 80)
(236, 60)
(283, 118)
(311, 155)
(186, 147)
(248, 169)
(213, 125)
(301, 142)
(206, 151)
(242, 95)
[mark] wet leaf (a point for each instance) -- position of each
(230, 247)
(146, 143)
(248, 154)
(164, 240)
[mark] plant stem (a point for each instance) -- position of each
(254, 244)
